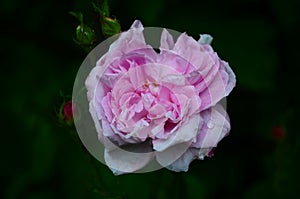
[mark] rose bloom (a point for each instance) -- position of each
(168, 100)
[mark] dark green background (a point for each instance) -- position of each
(41, 159)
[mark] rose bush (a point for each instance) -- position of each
(168, 100)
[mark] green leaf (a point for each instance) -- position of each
(78, 16)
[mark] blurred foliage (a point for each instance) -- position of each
(260, 39)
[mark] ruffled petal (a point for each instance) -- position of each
(195, 53)
(231, 78)
(183, 163)
(171, 154)
(128, 41)
(93, 112)
(92, 80)
(166, 40)
(215, 127)
(185, 133)
(121, 161)
(218, 87)
(175, 61)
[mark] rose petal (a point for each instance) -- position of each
(128, 41)
(215, 127)
(185, 133)
(93, 112)
(92, 80)
(107, 107)
(195, 53)
(231, 78)
(108, 132)
(219, 87)
(175, 61)
(120, 66)
(121, 161)
(166, 40)
(172, 153)
(183, 163)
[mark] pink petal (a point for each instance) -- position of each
(185, 133)
(219, 87)
(194, 53)
(190, 94)
(128, 41)
(215, 127)
(137, 24)
(93, 112)
(166, 41)
(179, 63)
(108, 132)
(212, 77)
(107, 107)
(119, 66)
(92, 80)
(156, 111)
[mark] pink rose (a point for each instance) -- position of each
(168, 101)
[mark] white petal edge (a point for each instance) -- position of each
(173, 153)
(166, 40)
(121, 161)
(219, 127)
(205, 39)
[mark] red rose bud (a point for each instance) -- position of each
(67, 112)
(278, 132)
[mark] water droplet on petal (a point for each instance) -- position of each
(201, 157)
(210, 124)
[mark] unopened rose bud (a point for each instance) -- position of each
(278, 132)
(85, 35)
(110, 26)
(68, 112)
